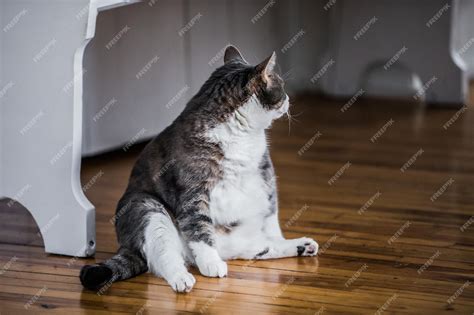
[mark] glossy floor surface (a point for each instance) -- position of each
(385, 189)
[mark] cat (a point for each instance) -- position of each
(204, 190)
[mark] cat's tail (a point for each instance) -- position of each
(125, 264)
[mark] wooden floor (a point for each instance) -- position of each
(390, 241)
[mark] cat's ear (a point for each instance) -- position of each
(267, 66)
(233, 54)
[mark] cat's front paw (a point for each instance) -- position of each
(213, 268)
(182, 281)
(307, 247)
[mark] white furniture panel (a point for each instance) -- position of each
(41, 116)
(136, 74)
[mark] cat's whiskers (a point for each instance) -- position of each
(288, 115)
(296, 115)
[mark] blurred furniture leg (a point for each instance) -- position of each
(375, 45)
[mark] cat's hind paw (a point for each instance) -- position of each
(182, 281)
(308, 247)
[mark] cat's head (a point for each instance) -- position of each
(254, 94)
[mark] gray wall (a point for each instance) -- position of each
(359, 61)
(143, 107)
(137, 104)
(2, 19)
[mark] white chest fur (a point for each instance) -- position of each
(241, 195)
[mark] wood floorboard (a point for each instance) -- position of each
(362, 266)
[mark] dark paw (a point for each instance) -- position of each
(94, 277)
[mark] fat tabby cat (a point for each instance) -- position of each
(204, 190)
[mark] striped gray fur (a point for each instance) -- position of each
(177, 170)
